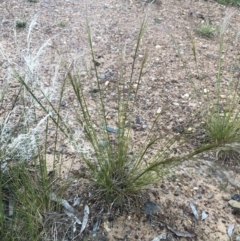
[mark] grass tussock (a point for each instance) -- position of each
(25, 199)
(21, 24)
(25, 182)
(117, 171)
(220, 110)
(206, 29)
(223, 127)
(222, 118)
(233, 2)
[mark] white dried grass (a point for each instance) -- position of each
(24, 145)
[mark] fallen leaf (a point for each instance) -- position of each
(105, 225)
(96, 226)
(230, 229)
(181, 234)
(85, 218)
(74, 227)
(61, 201)
(71, 215)
(204, 215)
(67, 208)
(160, 237)
(76, 201)
(194, 210)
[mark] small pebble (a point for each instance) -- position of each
(144, 126)
(236, 197)
(178, 129)
(181, 213)
(150, 207)
(110, 129)
(204, 46)
(177, 192)
(186, 96)
(226, 198)
(138, 120)
(185, 188)
(165, 191)
(94, 91)
(198, 196)
(102, 76)
(109, 73)
(102, 143)
(192, 104)
(210, 195)
(235, 204)
(159, 110)
(204, 215)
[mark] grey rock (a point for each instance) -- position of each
(197, 196)
(234, 204)
(109, 73)
(110, 129)
(204, 215)
(150, 208)
(236, 197)
(102, 76)
(102, 143)
(105, 6)
(165, 191)
(160, 237)
(138, 120)
(210, 195)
